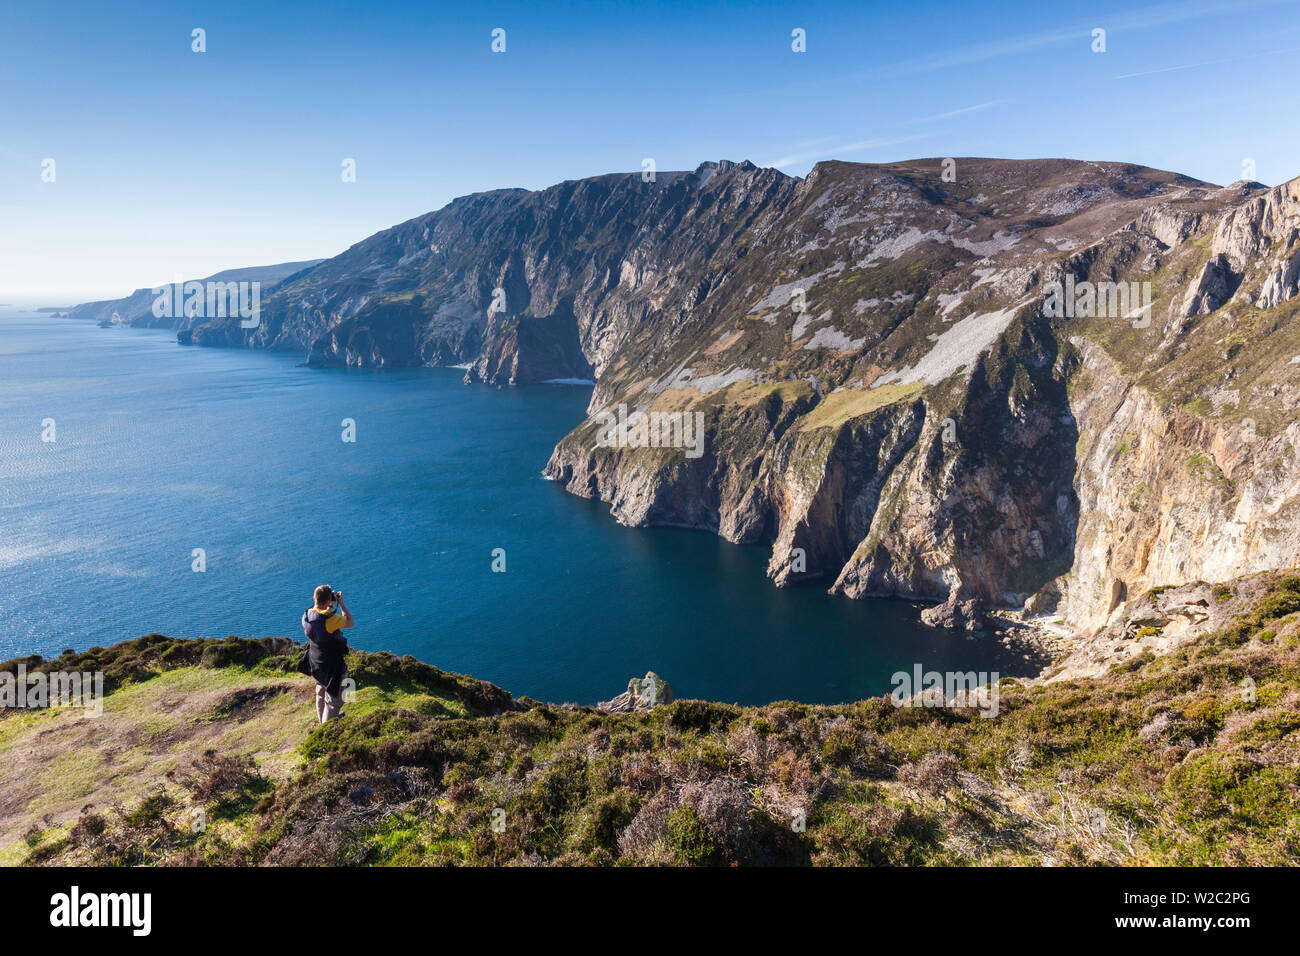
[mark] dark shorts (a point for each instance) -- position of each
(328, 668)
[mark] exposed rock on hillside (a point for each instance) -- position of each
(643, 693)
(1161, 620)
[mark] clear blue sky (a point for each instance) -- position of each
(169, 161)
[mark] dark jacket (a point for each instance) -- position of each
(325, 651)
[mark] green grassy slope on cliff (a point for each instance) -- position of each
(1189, 758)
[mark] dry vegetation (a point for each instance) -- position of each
(1189, 758)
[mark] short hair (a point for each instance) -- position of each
(324, 595)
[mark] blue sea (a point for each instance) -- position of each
(160, 451)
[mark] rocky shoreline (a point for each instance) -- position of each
(1153, 623)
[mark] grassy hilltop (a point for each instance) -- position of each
(1163, 760)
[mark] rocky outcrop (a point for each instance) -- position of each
(643, 693)
(1211, 288)
(956, 615)
(1283, 279)
(1263, 235)
(1256, 224)
(1157, 621)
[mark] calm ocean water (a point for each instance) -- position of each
(162, 449)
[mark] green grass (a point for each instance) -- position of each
(848, 403)
(1165, 760)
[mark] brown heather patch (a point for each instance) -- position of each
(1162, 761)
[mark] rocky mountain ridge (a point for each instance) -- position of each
(136, 309)
(888, 402)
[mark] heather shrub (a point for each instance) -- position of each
(642, 837)
(690, 841)
(225, 781)
(935, 774)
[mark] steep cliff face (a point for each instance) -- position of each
(884, 401)
(1168, 497)
(1189, 454)
(136, 309)
(525, 285)
(884, 491)
(906, 382)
